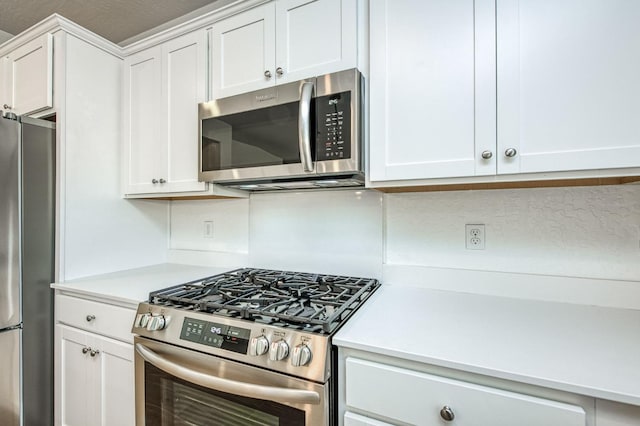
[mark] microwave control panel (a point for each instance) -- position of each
(333, 112)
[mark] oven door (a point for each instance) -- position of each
(177, 386)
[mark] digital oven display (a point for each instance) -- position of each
(222, 336)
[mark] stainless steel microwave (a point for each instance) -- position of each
(298, 135)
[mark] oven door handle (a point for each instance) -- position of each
(304, 126)
(270, 393)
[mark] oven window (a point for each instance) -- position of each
(174, 402)
(262, 137)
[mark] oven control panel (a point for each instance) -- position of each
(221, 336)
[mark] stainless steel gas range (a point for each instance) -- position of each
(246, 347)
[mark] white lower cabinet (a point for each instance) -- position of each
(94, 373)
(400, 395)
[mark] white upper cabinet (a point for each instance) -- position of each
(503, 89)
(280, 42)
(163, 86)
(432, 88)
(568, 84)
(26, 77)
(145, 154)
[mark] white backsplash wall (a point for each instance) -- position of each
(228, 243)
(334, 232)
(591, 232)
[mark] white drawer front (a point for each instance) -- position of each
(108, 320)
(417, 398)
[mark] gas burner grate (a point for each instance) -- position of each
(313, 302)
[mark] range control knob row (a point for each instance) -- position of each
(151, 322)
(301, 355)
(279, 350)
(258, 346)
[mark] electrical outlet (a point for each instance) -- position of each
(474, 236)
(208, 229)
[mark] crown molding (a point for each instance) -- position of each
(194, 24)
(56, 23)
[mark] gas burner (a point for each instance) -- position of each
(312, 302)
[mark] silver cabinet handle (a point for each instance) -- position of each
(487, 154)
(304, 126)
(85, 350)
(162, 181)
(279, 71)
(510, 152)
(269, 393)
(447, 413)
(94, 352)
(5, 106)
(154, 181)
(90, 318)
(267, 74)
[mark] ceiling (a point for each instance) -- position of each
(115, 20)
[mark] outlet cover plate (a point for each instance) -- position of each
(475, 236)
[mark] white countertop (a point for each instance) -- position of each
(588, 350)
(132, 286)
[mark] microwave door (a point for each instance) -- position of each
(259, 136)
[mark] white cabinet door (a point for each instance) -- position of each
(96, 379)
(114, 369)
(568, 85)
(27, 84)
(351, 419)
(184, 79)
(432, 88)
(314, 37)
(243, 53)
(145, 156)
(76, 404)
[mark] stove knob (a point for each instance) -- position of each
(156, 322)
(259, 346)
(142, 320)
(279, 350)
(301, 355)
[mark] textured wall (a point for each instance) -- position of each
(591, 232)
(582, 232)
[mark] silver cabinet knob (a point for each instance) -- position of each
(85, 350)
(447, 413)
(5, 106)
(510, 152)
(162, 180)
(90, 318)
(154, 181)
(279, 71)
(267, 74)
(487, 154)
(94, 352)
(279, 350)
(156, 322)
(301, 355)
(258, 346)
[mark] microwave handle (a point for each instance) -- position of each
(304, 126)
(250, 390)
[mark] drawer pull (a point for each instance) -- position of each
(90, 318)
(94, 352)
(447, 413)
(85, 350)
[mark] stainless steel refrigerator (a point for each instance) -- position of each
(27, 205)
